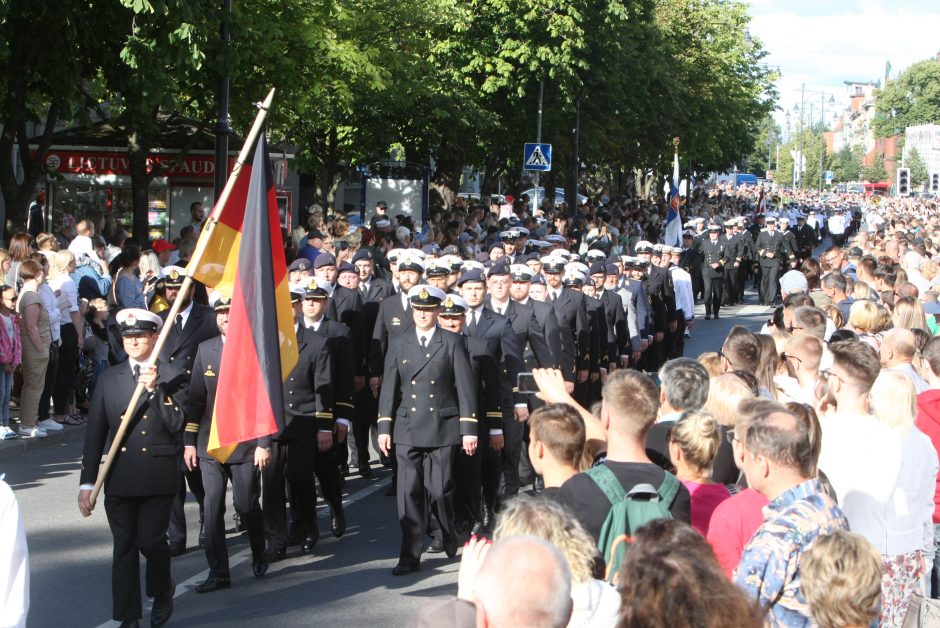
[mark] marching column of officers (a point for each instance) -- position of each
(423, 360)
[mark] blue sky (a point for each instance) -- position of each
(824, 42)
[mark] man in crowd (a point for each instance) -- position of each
(194, 324)
(243, 465)
(779, 463)
(145, 477)
(428, 403)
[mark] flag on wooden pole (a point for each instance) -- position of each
(243, 257)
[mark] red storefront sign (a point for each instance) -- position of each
(102, 163)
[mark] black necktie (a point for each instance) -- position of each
(472, 327)
(554, 296)
(423, 341)
(136, 372)
(179, 323)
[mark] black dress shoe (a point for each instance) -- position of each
(716, 317)
(177, 548)
(708, 317)
(365, 470)
(213, 583)
(130, 623)
(275, 554)
(202, 534)
(259, 567)
(437, 546)
(404, 570)
(239, 524)
(339, 522)
(451, 549)
(310, 542)
(162, 607)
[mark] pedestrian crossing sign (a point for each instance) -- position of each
(537, 157)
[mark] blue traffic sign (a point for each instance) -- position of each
(537, 157)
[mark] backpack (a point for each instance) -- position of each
(629, 512)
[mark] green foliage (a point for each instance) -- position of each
(875, 173)
(454, 82)
(912, 99)
(918, 167)
(846, 164)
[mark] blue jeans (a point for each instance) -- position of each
(6, 386)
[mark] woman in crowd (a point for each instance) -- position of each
(693, 443)
(36, 338)
(11, 354)
(866, 320)
(51, 302)
(840, 577)
(909, 314)
(813, 272)
(725, 394)
(72, 335)
(127, 289)
(672, 580)
(20, 248)
(151, 275)
(596, 603)
(97, 339)
(767, 366)
(907, 518)
(47, 245)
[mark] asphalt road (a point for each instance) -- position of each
(345, 582)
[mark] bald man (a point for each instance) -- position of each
(524, 581)
(897, 352)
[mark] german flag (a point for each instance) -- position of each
(243, 257)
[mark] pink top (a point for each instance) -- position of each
(705, 498)
(11, 347)
(733, 524)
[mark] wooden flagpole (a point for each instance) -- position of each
(184, 289)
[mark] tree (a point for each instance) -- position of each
(51, 52)
(918, 167)
(875, 173)
(765, 146)
(912, 99)
(846, 163)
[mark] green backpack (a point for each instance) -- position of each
(628, 513)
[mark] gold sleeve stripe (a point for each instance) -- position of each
(463, 418)
(192, 427)
(494, 415)
(384, 418)
(324, 415)
(343, 403)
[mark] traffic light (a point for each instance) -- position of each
(935, 183)
(904, 182)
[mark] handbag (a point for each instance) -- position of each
(922, 612)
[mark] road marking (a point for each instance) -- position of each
(186, 585)
(752, 309)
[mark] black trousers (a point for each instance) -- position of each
(326, 468)
(293, 461)
(713, 290)
(177, 529)
(246, 496)
(64, 385)
(768, 282)
(425, 478)
(477, 480)
(730, 295)
(365, 418)
(52, 372)
(138, 525)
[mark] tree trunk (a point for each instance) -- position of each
(17, 194)
(137, 154)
